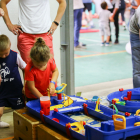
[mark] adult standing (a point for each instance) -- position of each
(78, 10)
(34, 21)
(122, 11)
(113, 6)
(133, 6)
(135, 46)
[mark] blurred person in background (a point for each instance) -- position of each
(88, 17)
(78, 10)
(122, 11)
(113, 7)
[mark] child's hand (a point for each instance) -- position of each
(52, 88)
(1, 12)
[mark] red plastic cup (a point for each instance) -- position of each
(59, 96)
(45, 104)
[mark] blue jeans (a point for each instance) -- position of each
(135, 47)
(77, 25)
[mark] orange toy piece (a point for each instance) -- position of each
(119, 124)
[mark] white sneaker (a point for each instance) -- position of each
(107, 44)
(4, 124)
(80, 47)
(102, 44)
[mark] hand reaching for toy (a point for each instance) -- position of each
(52, 88)
(1, 12)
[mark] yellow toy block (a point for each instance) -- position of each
(116, 99)
(119, 124)
(56, 106)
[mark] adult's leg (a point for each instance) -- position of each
(2, 124)
(122, 14)
(77, 25)
(48, 40)
(25, 43)
(123, 18)
(135, 47)
(111, 10)
(116, 26)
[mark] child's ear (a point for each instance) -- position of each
(10, 45)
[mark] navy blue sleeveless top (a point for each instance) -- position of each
(11, 85)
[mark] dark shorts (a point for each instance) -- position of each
(30, 99)
(14, 103)
(88, 6)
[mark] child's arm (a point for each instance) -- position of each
(1, 12)
(55, 74)
(23, 90)
(21, 64)
(33, 89)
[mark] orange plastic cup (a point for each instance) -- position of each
(45, 104)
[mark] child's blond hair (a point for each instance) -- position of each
(4, 42)
(40, 52)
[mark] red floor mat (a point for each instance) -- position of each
(88, 30)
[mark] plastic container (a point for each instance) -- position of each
(45, 104)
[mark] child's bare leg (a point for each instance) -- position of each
(83, 16)
(90, 15)
(2, 124)
(102, 39)
(107, 39)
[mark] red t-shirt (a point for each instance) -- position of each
(41, 78)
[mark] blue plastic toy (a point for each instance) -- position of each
(130, 105)
(94, 98)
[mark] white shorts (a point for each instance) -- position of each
(104, 30)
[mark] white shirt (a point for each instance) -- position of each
(20, 62)
(34, 16)
(104, 16)
(78, 4)
(110, 3)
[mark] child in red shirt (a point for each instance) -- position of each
(38, 70)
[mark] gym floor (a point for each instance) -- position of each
(99, 64)
(98, 70)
